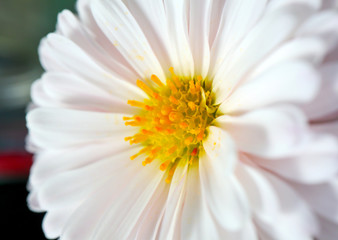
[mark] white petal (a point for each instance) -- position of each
(247, 232)
(276, 27)
(275, 201)
(149, 223)
(49, 163)
(219, 144)
(151, 17)
(71, 91)
(199, 24)
(54, 222)
(326, 127)
(323, 24)
(261, 194)
(322, 198)
(316, 164)
(215, 19)
(55, 128)
(70, 26)
(109, 197)
(276, 4)
(121, 217)
(289, 82)
(121, 28)
(238, 17)
(171, 221)
(177, 19)
(329, 230)
(309, 49)
(197, 221)
(100, 39)
(47, 57)
(269, 32)
(40, 97)
(33, 201)
(326, 101)
(223, 194)
(74, 59)
(71, 188)
(268, 132)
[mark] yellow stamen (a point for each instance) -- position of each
(173, 100)
(135, 103)
(200, 136)
(174, 77)
(188, 140)
(156, 80)
(144, 87)
(171, 150)
(164, 165)
(175, 116)
(172, 121)
(192, 106)
(165, 110)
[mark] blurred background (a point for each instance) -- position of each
(22, 24)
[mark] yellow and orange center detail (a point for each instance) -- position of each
(173, 121)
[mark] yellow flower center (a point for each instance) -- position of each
(173, 121)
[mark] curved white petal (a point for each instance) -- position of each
(70, 188)
(40, 97)
(268, 132)
(171, 221)
(271, 31)
(322, 198)
(276, 4)
(151, 17)
(74, 60)
(323, 24)
(54, 221)
(100, 39)
(215, 19)
(326, 101)
(51, 162)
(330, 127)
(121, 217)
(121, 28)
(197, 221)
(55, 128)
(71, 91)
(219, 144)
(263, 200)
(316, 163)
(223, 194)
(238, 17)
(307, 49)
(274, 201)
(329, 230)
(288, 82)
(149, 223)
(108, 198)
(199, 25)
(177, 20)
(70, 26)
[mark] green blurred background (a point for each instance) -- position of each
(22, 24)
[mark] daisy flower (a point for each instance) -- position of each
(178, 119)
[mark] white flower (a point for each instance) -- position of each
(227, 108)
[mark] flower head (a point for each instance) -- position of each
(180, 119)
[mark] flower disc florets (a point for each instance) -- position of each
(173, 121)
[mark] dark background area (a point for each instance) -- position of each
(22, 24)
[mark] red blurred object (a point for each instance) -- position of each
(15, 164)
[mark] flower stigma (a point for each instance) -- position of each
(173, 121)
